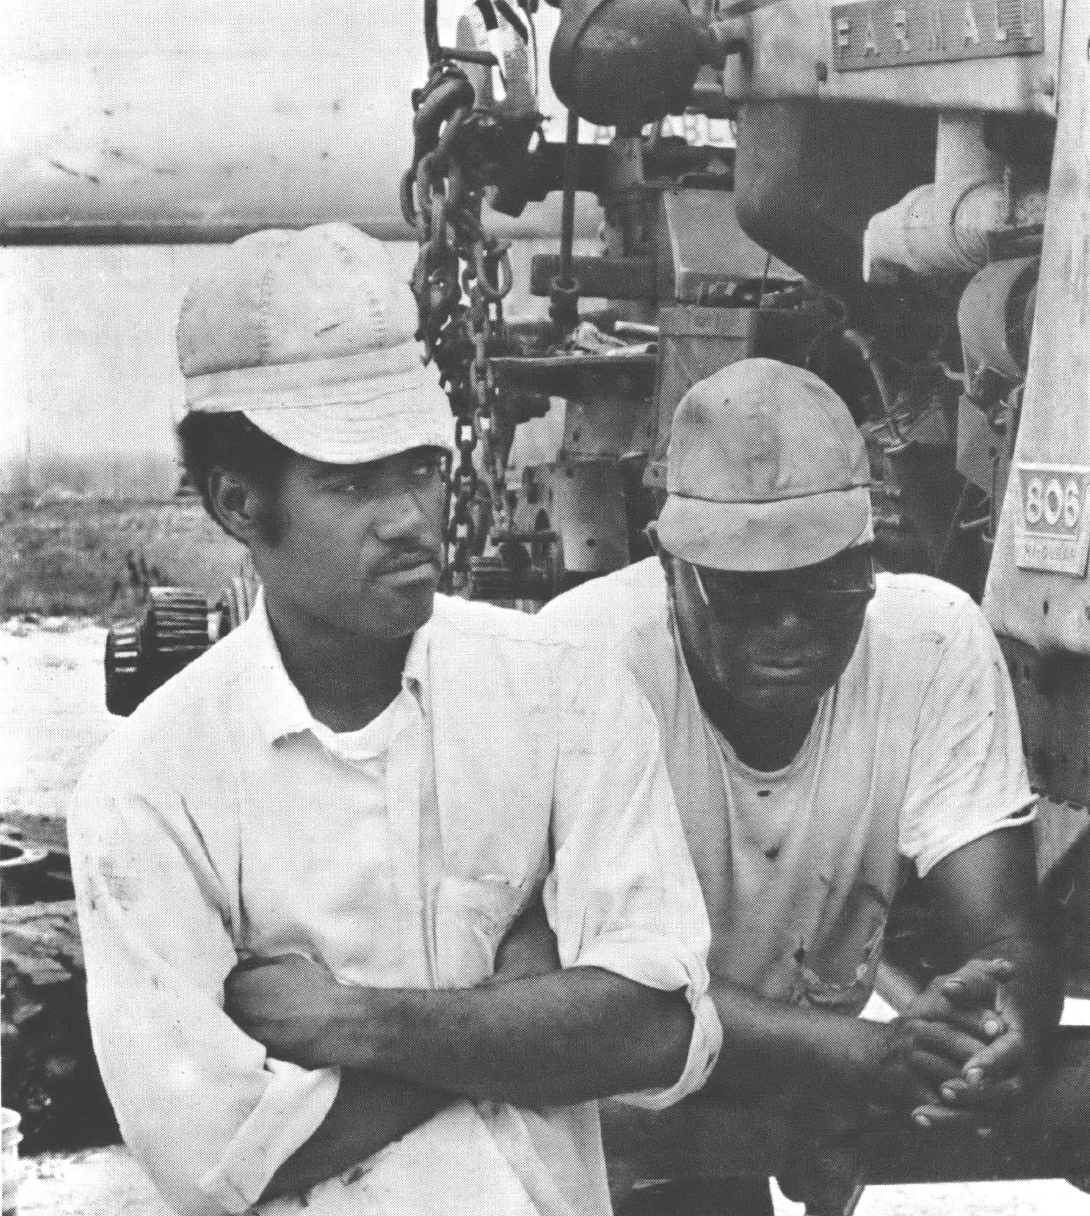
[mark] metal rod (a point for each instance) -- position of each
(567, 213)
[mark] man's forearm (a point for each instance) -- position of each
(550, 1040)
(367, 1114)
(775, 1047)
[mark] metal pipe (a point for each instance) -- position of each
(564, 289)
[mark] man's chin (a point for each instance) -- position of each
(405, 612)
(784, 693)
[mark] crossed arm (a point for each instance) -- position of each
(534, 1036)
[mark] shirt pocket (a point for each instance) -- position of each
(841, 978)
(471, 917)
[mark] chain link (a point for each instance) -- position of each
(460, 280)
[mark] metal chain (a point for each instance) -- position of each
(460, 280)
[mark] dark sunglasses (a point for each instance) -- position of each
(733, 598)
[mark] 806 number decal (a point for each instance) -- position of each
(1053, 533)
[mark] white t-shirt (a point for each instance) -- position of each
(913, 753)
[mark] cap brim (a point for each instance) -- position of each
(356, 431)
(766, 536)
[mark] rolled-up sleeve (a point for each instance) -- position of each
(623, 894)
(968, 774)
(203, 1109)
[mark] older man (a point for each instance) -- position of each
(823, 728)
(337, 813)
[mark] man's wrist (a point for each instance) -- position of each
(861, 1057)
(343, 1033)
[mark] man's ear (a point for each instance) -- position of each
(237, 504)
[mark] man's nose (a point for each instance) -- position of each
(404, 516)
(789, 618)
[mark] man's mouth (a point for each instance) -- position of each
(791, 662)
(789, 667)
(409, 567)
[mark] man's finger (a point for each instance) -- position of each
(976, 984)
(982, 1023)
(936, 1069)
(998, 1059)
(937, 1116)
(947, 1041)
(984, 1097)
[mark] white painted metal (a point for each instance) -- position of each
(790, 54)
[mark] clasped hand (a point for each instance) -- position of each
(959, 1051)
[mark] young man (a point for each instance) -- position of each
(362, 788)
(823, 728)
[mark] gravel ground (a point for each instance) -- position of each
(51, 718)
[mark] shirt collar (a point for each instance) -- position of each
(276, 704)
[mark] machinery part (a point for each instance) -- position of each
(694, 270)
(22, 869)
(507, 578)
(947, 229)
(951, 226)
(808, 178)
(176, 628)
(124, 677)
(236, 603)
(1006, 64)
(565, 288)
(608, 278)
(626, 63)
(175, 631)
(461, 276)
(1038, 591)
(1053, 696)
(140, 656)
(589, 509)
(693, 343)
(995, 318)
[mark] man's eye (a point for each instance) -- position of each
(427, 466)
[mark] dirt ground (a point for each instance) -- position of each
(51, 718)
(106, 1182)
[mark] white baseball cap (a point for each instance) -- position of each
(765, 471)
(310, 335)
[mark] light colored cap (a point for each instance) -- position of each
(310, 335)
(765, 471)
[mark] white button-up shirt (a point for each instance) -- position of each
(222, 821)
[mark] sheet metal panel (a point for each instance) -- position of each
(1038, 591)
(869, 34)
(792, 52)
